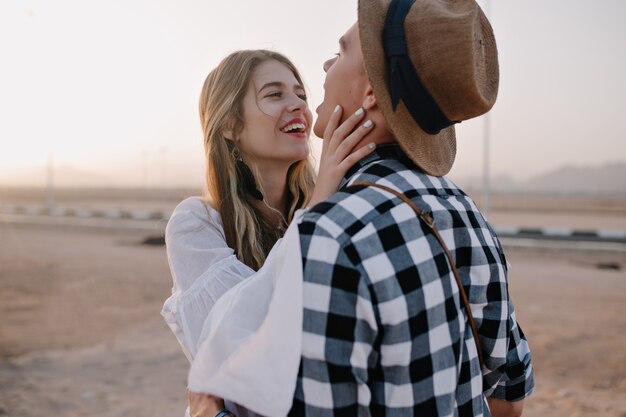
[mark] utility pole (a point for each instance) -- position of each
(163, 168)
(144, 169)
(50, 182)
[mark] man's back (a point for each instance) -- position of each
(384, 328)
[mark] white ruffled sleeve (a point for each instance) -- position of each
(251, 344)
(203, 269)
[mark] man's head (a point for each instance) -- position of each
(347, 85)
(417, 68)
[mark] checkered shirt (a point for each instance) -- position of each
(385, 333)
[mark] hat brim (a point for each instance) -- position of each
(432, 153)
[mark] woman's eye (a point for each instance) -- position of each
(275, 94)
(302, 97)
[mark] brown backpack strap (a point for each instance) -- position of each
(430, 222)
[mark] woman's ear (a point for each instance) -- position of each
(229, 130)
(369, 102)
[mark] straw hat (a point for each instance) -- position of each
(431, 63)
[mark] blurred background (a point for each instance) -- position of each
(100, 139)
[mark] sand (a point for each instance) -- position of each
(81, 334)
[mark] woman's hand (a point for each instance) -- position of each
(203, 405)
(501, 408)
(337, 152)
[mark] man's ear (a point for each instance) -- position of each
(369, 102)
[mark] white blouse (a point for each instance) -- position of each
(203, 268)
(240, 329)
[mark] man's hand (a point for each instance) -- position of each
(203, 405)
(501, 408)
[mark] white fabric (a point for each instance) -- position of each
(203, 268)
(251, 349)
(241, 330)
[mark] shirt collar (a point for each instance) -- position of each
(384, 151)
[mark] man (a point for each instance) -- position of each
(386, 331)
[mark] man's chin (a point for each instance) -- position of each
(318, 128)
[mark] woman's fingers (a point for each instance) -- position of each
(345, 147)
(336, 134)
(333, 121)
(356, 156)
(349, 124)
(331, 126)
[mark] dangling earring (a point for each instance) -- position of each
(236, 154)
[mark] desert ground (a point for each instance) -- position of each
(81, 333)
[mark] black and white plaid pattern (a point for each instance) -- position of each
(384, 329)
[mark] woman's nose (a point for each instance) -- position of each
(297, 104)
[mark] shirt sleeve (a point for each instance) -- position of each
(517, 381)
(203, 268)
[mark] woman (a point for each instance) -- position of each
(256, 125)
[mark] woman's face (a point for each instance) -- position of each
(277, 121)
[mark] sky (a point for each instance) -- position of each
(111, 88)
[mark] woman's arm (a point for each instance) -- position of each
(203, 268)
(337, 157)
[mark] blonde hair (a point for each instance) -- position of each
(221, 110)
